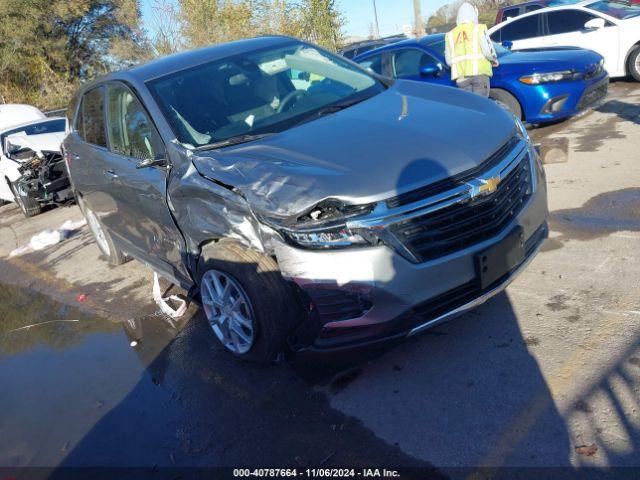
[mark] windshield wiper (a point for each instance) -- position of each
(238, 139)
(336, 107)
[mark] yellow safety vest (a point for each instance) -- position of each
(466, 57)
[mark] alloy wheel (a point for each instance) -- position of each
(228, 310)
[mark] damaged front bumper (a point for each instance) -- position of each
(45, 179)
(364, 296)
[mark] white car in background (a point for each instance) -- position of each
(18, 114)
(32, 170)
(610, 28)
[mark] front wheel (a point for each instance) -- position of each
(29, 206)
(249, 306)
(506, 100)
(633, 64)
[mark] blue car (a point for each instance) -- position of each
(538, 86)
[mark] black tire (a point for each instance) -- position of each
(112, 254)
(29, 206)
(506, 99)
(274, 303)
(633, 64)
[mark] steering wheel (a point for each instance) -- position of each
(290, 98)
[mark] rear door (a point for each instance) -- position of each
(524, 32)
(143, 221)
(566, 28)
(89, 162)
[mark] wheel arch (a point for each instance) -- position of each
(632, 49)
(515, 95)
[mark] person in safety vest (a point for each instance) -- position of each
(470, 53)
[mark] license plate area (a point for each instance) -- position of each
(500, 258)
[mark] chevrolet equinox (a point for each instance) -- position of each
(311, 205)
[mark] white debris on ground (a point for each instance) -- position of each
(49, 237)
(163, 302)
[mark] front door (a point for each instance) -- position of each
(409, 64)
(143, 221)
(566, 28)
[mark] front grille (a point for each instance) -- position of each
(593, 94)
(452, 182)
(462, 294)
(462, 225)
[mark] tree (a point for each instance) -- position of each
(322, 23)
(445, 17)
(48, 46)
(206, 22)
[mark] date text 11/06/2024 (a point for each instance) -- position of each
(316, 472)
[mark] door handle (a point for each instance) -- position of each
(111, 173)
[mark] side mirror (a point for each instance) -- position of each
(595, 24)
(159, 161)
(431, 70)
(508, 44)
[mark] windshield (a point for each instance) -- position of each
(46, 126)
(620, 10)
(259, 92)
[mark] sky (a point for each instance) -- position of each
(358, 14)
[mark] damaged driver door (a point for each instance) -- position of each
(138, 171)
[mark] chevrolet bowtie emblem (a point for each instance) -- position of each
(483, 186)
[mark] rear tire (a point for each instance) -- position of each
(633, 64)
(254, 318)
(29, 206)
(507, 100)
(109, 251)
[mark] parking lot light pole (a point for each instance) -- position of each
(419, 29)
(375, 17)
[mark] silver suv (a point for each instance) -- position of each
(313, 205)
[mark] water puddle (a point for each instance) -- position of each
(79, 391)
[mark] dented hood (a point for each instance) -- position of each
(408, 136)
(44, 142)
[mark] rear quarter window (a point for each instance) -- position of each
(520, 29)
(373, 63)
(90, 119)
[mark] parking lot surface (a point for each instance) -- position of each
(545, 374)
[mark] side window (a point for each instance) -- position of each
(520, 29)
(510, 13)
(407, 62)
(90, 121)
(565, 21)
(131, 133)
(373, 63)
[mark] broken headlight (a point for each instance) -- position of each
(339, 237)
(324, 226)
